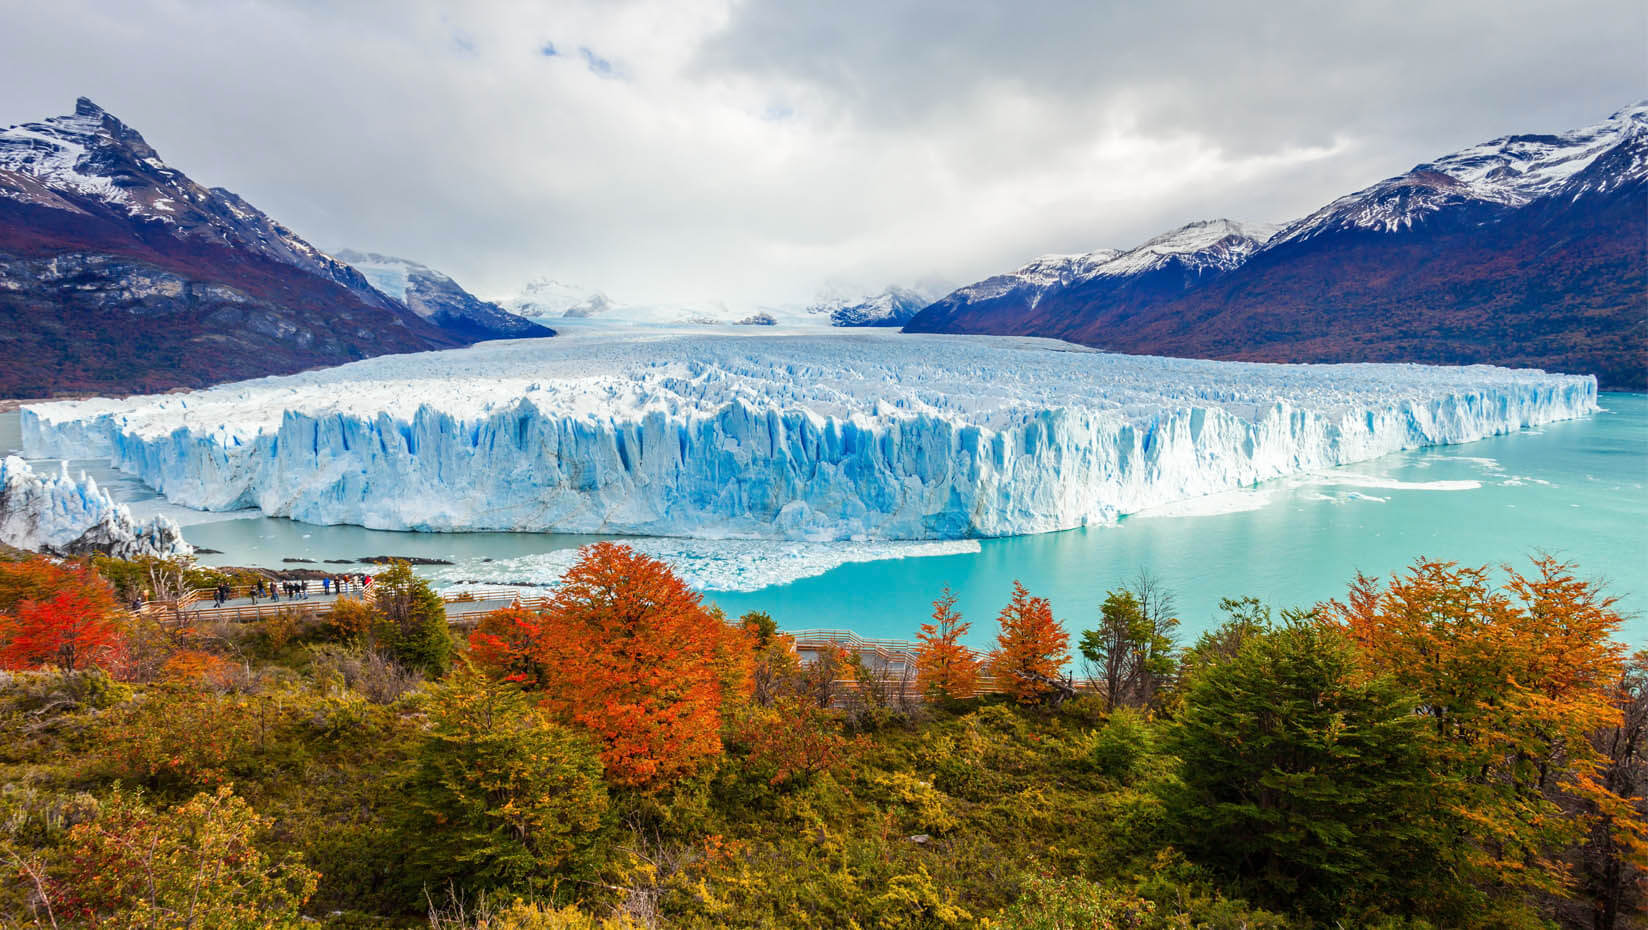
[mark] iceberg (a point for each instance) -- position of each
(64, 516)
(862, 436)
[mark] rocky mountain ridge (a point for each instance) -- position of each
(118, 273)
(1525, 250)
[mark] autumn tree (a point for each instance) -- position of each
(58, 614)
(1031, 649)
(508, 642)
(1514, 682)
(632, 656)
(775, 666)
(1611, 862)
(499, 797)
(945, 669)
(196, 865)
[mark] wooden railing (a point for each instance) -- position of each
(463, 609)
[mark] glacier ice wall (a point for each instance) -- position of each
(59, 514)
(861, 436)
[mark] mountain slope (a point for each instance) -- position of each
(1527, 250)
(439, 299)
(119, 273)
(893, 307)
(1036, 298)
(547, 297)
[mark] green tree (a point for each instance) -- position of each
(413, 629)
(1121, 746)
(190, 867)
(1309, 782)
(499, 797)
(1131, 652)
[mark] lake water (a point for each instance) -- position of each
(1578, 490)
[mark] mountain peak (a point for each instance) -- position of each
(83, 106)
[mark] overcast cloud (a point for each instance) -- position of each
(706, 151)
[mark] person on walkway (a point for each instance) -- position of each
(325, 586)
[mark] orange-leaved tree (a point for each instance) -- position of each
(945, 669)
(629, 653)
(58, 614)
(509, 644)
(1031, 649)
(1515, 681)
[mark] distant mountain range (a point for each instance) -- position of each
(1529, 250)
(119, 274)
(893, 307)
(438, 299)
(547, 297)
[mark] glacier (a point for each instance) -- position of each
(68, 516)
(860, 436)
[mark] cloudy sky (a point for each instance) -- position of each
(757, 151)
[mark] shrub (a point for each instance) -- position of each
(193, 866)
(499, 798)
(1121, 745)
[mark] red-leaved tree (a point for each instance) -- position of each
(626, 651)
(945, 669)
(58, 614)
(1031, 649)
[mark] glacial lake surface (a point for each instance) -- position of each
(1578, 490)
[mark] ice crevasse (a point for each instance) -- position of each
(854, 436)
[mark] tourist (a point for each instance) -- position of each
(325, 586)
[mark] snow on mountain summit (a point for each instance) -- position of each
(439, 299)
(892, 307)
(548, 297)
(1217, 245)
(1508, 172)
(89, 160)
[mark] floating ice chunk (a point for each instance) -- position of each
(706, 565)
(62, 515)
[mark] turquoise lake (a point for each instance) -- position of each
(1578, 490)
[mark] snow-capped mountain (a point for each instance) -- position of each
(119, 272)
(892, 307)
(1156, 271)
(439, 299)
(63, 162)
(1506, 173)
(1036, 277)
(1526, 250)
(547, 297)
(1207, 247)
